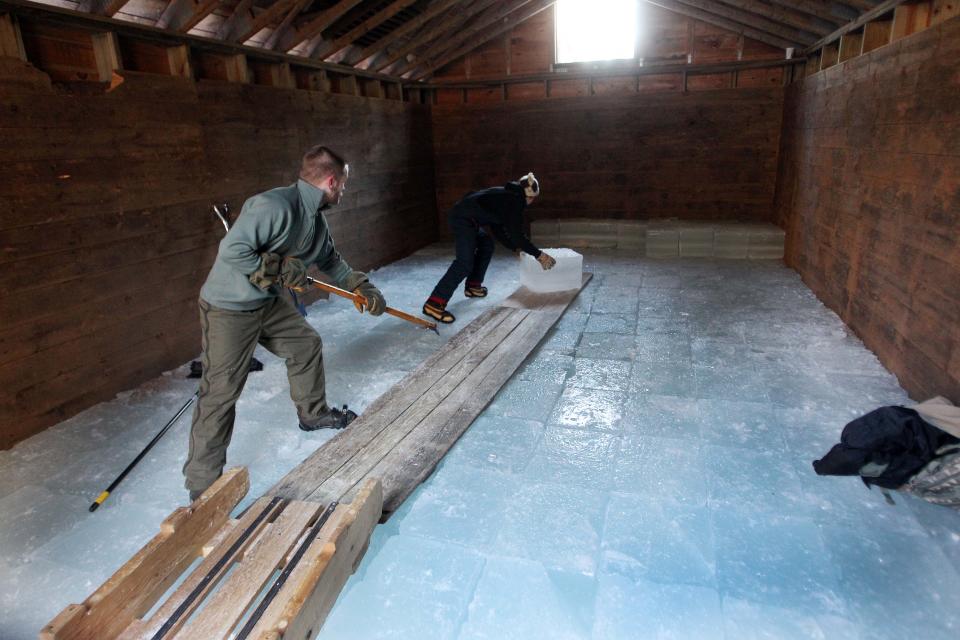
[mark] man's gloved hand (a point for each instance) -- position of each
(293, 273)
(546, 261)
(358, 282)
(268, 273)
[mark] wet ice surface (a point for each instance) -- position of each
(645, 474)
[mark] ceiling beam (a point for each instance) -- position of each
(830, 11)
(286, 24)
(796, 36)
(723, 23)
(433, 11)
(248, 26)
(325, 51)
(228, 28)
(315, 26)
(107, 8)
(869, 16)
(487, 32)
(785, 16)
(449, 23)
(183, 15)
(466, 33)
(860, 5)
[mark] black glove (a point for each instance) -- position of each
(268, 273)
(358, 282)
(293, 273)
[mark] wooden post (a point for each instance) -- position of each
(179, 60)
(11, 42)
(282, 76)
(106, 51)
(876, 34)
(829, 56)
(850, 46)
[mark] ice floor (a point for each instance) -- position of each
(646, 474)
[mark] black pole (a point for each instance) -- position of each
(113, 485)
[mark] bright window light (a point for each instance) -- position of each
(589, 30)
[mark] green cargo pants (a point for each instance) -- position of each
(229, 339)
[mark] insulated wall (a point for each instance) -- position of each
(106, 222)
(869, 193)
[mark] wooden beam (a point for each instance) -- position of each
(796, 36)
(237, 69)
(248, 27)
(860, 5)
(432, 32)
(106, 51)
(374, 21)
(833, 12)
(723, 23)
(315, 26)
(829, 56)
(434, 10)
(183, 15)
(11, 41)
(179, 59)
(107, 8)
(786, 16)
(489, 32)
(466, 33)
(234, 23)
(876, 34)
(873, 14)
(286, 24)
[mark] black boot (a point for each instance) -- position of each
(333, 419)
(475, 291)
(438, 312)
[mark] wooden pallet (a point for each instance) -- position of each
(299, 554)
(405, 433)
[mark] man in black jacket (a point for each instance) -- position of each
(499, 209)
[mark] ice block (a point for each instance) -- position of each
(565, 275)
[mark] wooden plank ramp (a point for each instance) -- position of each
(277, 569)
(405, 433)
(272, 573)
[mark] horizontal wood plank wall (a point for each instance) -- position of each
(106, 225)
(705, 155)
(869, 193)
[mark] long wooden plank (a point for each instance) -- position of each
(302, 605)
(234, 530)
(309, 474)
(228, 604)
(469, 370)
(414, 459)
(137, 585)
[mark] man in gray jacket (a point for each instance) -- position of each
(278, 234)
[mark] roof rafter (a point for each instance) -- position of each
(791, 17)
(747, 19)
(435, 9)
(370, 23)
(183, 15)
(723, 23)
(286, 24)
(248, 26)
(829, 11)
(313, 28)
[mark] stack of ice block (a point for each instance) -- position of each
(565, 275)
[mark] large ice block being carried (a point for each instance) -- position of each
(565, 275)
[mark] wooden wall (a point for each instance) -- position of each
(702, 155)
(869, 193)
(106, 223)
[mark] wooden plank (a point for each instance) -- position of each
(469, 370)
(314, 27)
(876, 34)
(11, 41)
(433, 11)
(301, 606)
(225, 607)
(309, 474)
(179, 59)
(724, 23)
(869, 16)
(107, 53)
(909, 18)
(229, 535)
(850, 46)
(942, 10)
(320, 50)
(135, 587)
(829, 56)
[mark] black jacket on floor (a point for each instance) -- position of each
(893, 443)
(500, 208)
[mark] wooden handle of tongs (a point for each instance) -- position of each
(357, 298)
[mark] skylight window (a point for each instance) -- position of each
(592, 30)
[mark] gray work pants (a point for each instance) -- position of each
(229, 339)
